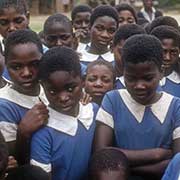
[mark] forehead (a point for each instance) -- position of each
(168, 43)
(11, 11)
(106, 21)
(81, 15)
(59, 27)
(23, 52)
(125, 13)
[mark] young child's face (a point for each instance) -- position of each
(59, 35)
(141, 81)
(148, 3)
(22, 64)
(63, 91)
(11, 20)
(98, 81)
(170, 53)
(81, 23)
(126, 17)
(103, 31)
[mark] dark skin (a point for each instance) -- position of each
(142, 87)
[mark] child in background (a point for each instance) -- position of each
(127, 14)
(139, 120)
(63, 147)
(80, 17)
(122, 34)
(170, 39)
(20, 107)
(103, 25)
(108, 164)
(99, 79)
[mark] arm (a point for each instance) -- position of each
(31, 122)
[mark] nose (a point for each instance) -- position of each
(140, 85)
(59, 42)
(63, 96)
(167, 56)
(84, 24)
(98, 83)
(26, 72)
(105, 34)
(12, 27)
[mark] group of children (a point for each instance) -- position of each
(91, 98)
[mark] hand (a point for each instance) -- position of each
(81, 33)
(34, 119)
(12, 163)
(86, 99)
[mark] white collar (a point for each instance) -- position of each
(121, 79)
(89, 57)
(159, 109)
(21, 99)
(146, 15)
(69, 124)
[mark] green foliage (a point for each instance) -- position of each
(168, 2)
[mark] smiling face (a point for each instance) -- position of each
(126, 17)
(170, 54)
(102, 32)
(11, 20)
(98, 81)
(141, 81)
(59, 34)
(22, 64)
(63, 91)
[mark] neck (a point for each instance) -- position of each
(118, 71)
(2, 82)
(97, 50)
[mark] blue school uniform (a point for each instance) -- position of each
(173, 170)
(171, 84)
(63, 147)
(119, 83)
(138, 127)
(87, 57)
(13, 106)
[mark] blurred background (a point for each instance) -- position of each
(41, 9)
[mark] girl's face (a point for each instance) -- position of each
(22, 64)
(170, 54)
(59, 35)
(11, 20)
(99, 80)
(103, 31)
(63, 91)
(141, 81)
(126, 17)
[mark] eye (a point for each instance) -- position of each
(100, 28)
(35, 63)
(130, 20)
(111, 31)
(15, 67)
(121, 20)
(4, 22)
(65, 37)
(19, 20)
(91, 78)
(52, 38)
(52, 92)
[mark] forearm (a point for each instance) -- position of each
(156, 169)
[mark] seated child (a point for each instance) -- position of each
(20, 108)
(80, 17)
(108, 164)
(122, 34)
(99, 79)
(103, 25)
(127, 14)
(139, 120)
(170, 39)
(63, 147)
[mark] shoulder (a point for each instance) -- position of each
(158, 13)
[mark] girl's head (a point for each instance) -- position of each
(103, 25)
(23, 50)
(108, 164)
(99, 79)
(14, 15)
(60, 75)
(123, 33)
(142, 60)
(170, 39)
(80, 19)
(58, 31)
(127, 14)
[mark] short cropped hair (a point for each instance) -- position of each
(142, 48)
(59, 59)
(80, 8)
(164, 20)
(56, 18)
(21, 37)
(126, 7)
(167, 32)
(104, 63)
(104, 10)
(108, 159)
(20, 5)
(125, 31)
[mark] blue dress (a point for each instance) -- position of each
(63, 147)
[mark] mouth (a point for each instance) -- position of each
(97, 93)
(28, 84)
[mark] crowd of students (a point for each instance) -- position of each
(91, 98)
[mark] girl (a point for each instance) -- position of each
(141, 121)
(63, 147)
